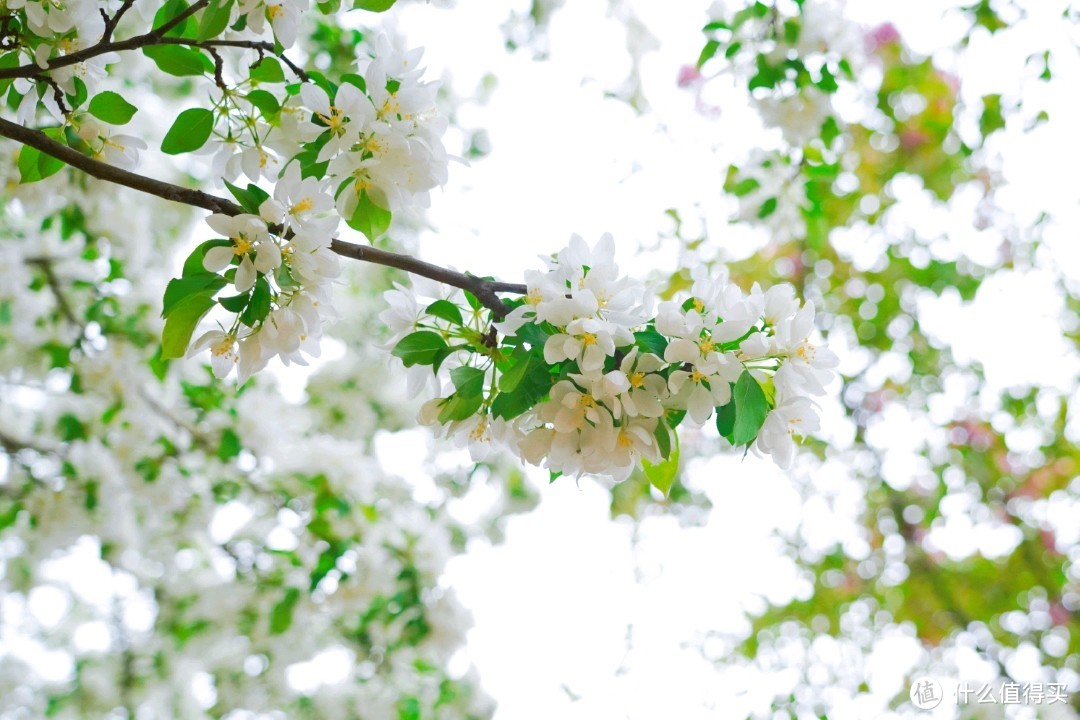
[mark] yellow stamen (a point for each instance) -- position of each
(707, 346)
(637, 379)
(588, 339)
(302, 206)
(697, 376)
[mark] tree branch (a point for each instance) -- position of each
(485, 290)
(111, 23)
(154, 37)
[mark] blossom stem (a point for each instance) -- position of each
(486, 291)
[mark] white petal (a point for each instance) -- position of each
(218, 258)
(245, 275)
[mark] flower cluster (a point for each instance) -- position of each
(588, 379)
(282, 281)
(374, 142)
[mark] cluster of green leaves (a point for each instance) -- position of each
(727, 39)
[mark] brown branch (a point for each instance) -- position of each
(111, 23)
(154, 37)
(485, 290)
(46, 265)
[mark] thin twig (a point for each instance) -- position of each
(46, 265)
(484, 290)
(154, 37)
(111, 23)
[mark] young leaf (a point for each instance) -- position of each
(369, 218)
(510, 379)
(707, 52)
(189, 132)
(181, 324)
(194, 263)
(281, 615)
(663, 434)
(179, 60)
(266, 102)
(267, 70)
(373, 5)
(215, 18)
(650, 341)
(751, 407)
(248, 199)
(235, 303)
(419, 348)
(459, 407)
(445, 310)
(112, 108)
(259, 307)
(725, 420)
(662, 475)
(170, 10)
(469, 381)
(35, 165)
(196, 284)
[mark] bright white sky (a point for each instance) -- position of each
(574, 619)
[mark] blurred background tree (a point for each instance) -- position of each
(174, 548)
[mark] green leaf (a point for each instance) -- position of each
(662, 433)
(766, 76)
(181, 324)
(266, 102)
(827, 83)
(992, 117)
(355, 80)
(529, 390)
(510, 379)
(170, 10)
(369, 218)
(179, 60)
(194, 263)
(373, 5)
(249, 199)
(751, 407)
(474, 302)
(35, 165)
(215, 18)
(196, 284)
(459, 407)
(662, 475)
(259, 307)
(419, 348)
(469, 381)
(230, 445)
(768, 207)
(725, 420)
(650, 341)
(189, 132)
(744, 187)
(445, 310)
(268, 70)
(235, 303)
(707, 52)
(281, 615)
(81, 93)
(112, 108)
